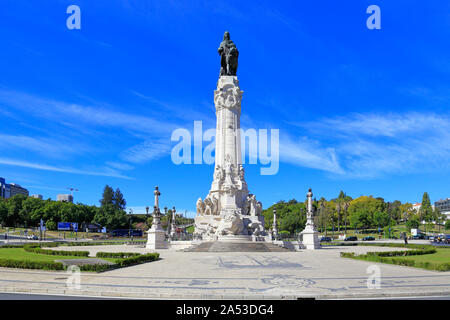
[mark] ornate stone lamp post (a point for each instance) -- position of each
(173, 226)
(274, 226)
(309, 236)
(156, 235)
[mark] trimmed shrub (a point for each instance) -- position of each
(138, 259)
(97, 267)
(119, 255)
(26, 264)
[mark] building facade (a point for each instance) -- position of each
(10, 190)
(17, 189)
(64, 198)
(443, 206)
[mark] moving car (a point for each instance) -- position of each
(368, 238)
(351, 239)
(32, 237)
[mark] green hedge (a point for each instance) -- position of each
(119, 255)
(26, 264)
(39, 250)
(96, 267)
(138, 259)
(402, 253)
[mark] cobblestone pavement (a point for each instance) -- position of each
(236, 275)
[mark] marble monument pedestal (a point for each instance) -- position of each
(156, 239)
(310, 239)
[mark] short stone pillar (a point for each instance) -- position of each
(156, 237)
(309, 236)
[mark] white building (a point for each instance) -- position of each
(444, 206)
(64, 198)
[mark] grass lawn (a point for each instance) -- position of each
(419, 257)
(441, 256)
(21, 254)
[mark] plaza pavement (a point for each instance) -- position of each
(320, 274)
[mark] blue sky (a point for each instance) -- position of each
(365, 111)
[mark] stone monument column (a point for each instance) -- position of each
(228, 211)
(309, 235)
(156, 237)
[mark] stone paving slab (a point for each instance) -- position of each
(321, 274)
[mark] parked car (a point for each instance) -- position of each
(325, 239)
(351, 239)
(368, 238)
(444, 238)
(418, 236)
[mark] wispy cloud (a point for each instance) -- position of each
(306, 153)
(53, 147)
(372, 145)
(107, 172)
(146, 151)
(97, 115)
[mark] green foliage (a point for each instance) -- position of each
(362, 210)
(289, 216)
(27, 264)
(447, 225)
(51, 225)
(426, 211)
(111, 217)
(22, 211)
(119, 255)
(107, 197)
(138, 259)
(413, 222)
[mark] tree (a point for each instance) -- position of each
(31, 207)
(119, 200)
(413, 222)
(340, 204)
(381, 219)
(289, 216)
(447, 225)
(14, 206)
(362, 210)
(107, 197)
(3, 212)
(426, 211)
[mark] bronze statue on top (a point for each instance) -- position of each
(228, 56)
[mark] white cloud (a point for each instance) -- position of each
(305, 153)
(50, 147)
(146, 151)
(371, 145)
(107, 172)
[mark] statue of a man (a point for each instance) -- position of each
(228, 56)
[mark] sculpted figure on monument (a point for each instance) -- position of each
(228, 56)
(218, 174)
(200, 207)
(208, 206)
